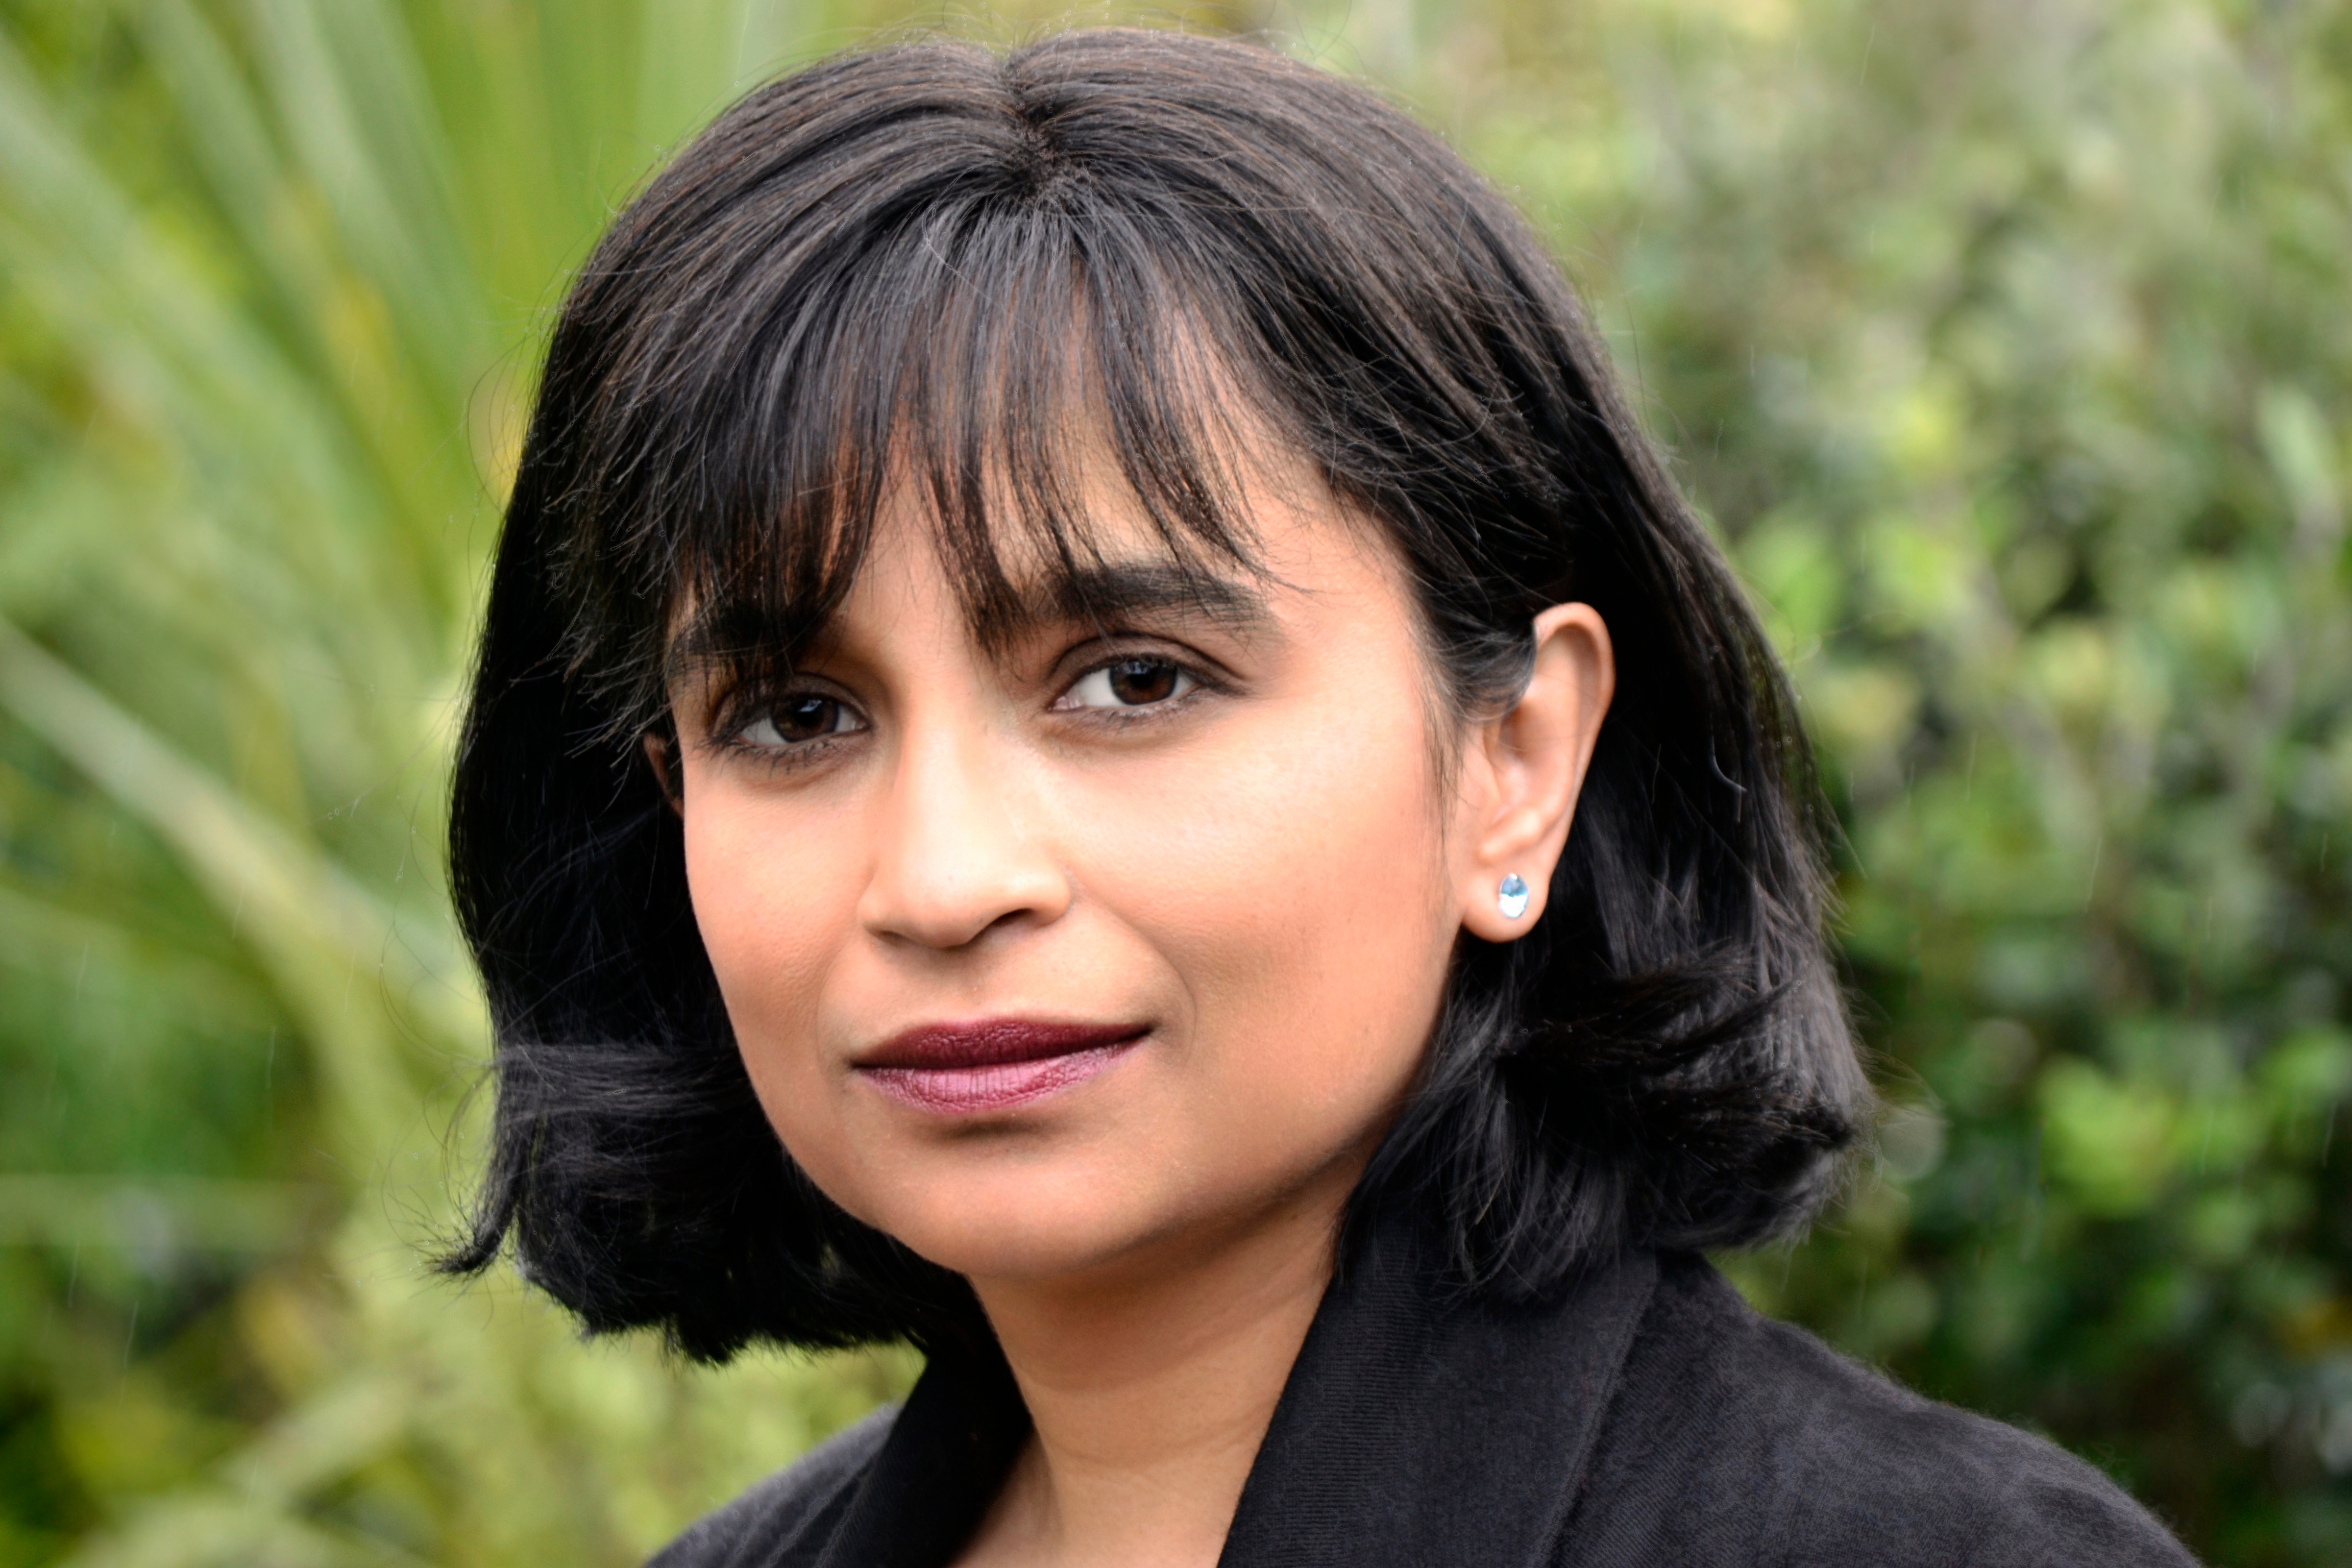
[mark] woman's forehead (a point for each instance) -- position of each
(1131, 574)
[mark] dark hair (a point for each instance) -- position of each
(904, 263)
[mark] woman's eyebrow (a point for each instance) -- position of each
(1111, 591)
(725, 632)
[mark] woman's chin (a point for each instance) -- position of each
(1034, 1238)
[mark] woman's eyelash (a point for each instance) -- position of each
(1133, 683)
(772, 726)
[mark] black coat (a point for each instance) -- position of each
(1649, 1418)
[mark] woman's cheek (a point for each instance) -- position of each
(771, 900)
(1289, 880)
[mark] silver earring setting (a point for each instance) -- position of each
(1511, 898)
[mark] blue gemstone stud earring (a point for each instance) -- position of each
(1511, 898)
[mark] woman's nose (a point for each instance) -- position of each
(957, 854)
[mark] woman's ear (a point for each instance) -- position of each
(1522, 770)
(661, 754)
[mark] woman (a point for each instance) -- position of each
(1099, 745)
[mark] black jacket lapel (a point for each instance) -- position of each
(1417, 1430)
(948, 1453)
(1418, 1434)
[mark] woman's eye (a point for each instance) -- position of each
(795, 720)
(1134, 682)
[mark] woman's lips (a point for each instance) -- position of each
(993, 1064)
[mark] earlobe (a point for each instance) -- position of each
(1531, 771)
(1505, 910)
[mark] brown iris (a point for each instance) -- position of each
(1137, 681)
(805, 717)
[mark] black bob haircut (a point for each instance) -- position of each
(942, 265)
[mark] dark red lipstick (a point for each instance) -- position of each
(993, 1064)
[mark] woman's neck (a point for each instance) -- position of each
(1151, 1394)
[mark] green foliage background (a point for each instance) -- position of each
(2007, 345)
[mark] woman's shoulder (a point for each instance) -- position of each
(789, 1515)
(1734, 1438)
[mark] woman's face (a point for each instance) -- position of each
(1043, 957)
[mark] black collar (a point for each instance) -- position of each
(1416, 1430)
